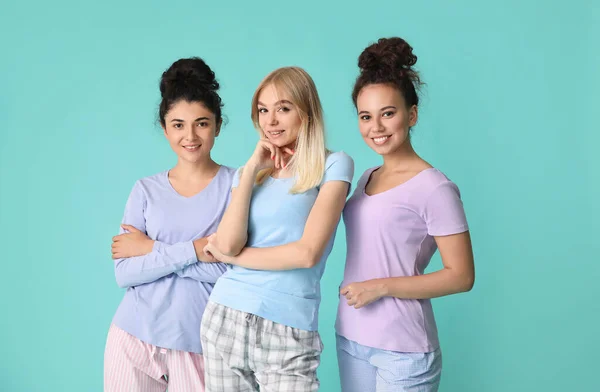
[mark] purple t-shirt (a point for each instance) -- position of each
(167, 289)
(390, 234)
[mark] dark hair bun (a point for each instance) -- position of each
(192, 80)
(187, 72)
(387, 55)
(389, 61)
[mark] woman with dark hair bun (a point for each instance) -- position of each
(400, 213)
(154, 340)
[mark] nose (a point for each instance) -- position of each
(377, 125)
(272, 119)
(189, 132)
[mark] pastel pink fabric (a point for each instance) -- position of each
(131, 365)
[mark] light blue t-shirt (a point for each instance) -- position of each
(278, 217)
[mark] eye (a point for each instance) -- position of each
(178, 125)
(262, 110)
(365, 117)
(388, 114)
(203, 124)
(284, 109)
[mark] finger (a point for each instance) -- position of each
(275, 155)
(275, 158)
(281, 159)
(288, 151)
(344, 290)
(130, 229)
(272, 152)
(268, 146)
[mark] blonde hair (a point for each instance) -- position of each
(308, 161)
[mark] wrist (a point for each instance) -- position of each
(149, 246)
(383, 289)
(251, 168)
(228, 259)
(199, 245)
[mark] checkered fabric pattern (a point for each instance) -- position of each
(244, 352)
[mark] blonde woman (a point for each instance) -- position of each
(260, 326)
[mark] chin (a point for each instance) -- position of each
(281, 143)
(193, 158)
(382, 150)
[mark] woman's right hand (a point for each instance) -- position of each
(267, 156)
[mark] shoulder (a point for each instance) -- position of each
(339, 166)
(146, 186)
(228, 171)
(155, 181)
(435, 185)
(339, 163)
(339, 158)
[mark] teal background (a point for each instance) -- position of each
(507, 114)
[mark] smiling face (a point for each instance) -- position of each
(383, 118)
(278, 117)
(191, 129)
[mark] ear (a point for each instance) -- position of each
(164, 128)
(413, 116)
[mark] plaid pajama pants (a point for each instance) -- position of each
(243, 352)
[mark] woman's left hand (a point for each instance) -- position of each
(134, 243)
(361, 294)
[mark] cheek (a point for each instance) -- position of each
(292, 122)
(399, 123)
(262, 122)
(209, 136)
(172, 138)
(364, 130)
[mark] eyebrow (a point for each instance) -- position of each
(198, 119)
(277, 103)
(381, 110)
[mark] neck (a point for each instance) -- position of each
(401, 159)
(195, 170)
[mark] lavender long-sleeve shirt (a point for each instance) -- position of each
(167, 289)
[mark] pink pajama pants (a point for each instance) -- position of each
(131, 365)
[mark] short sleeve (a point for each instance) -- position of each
(444, 213)
(236, 178)
(338, 167)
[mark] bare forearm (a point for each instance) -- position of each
(432, 285)
(199, 245)
(233, 229)
(284, 257)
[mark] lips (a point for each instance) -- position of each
(192, 147)
(276, 133)
(380, 140)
